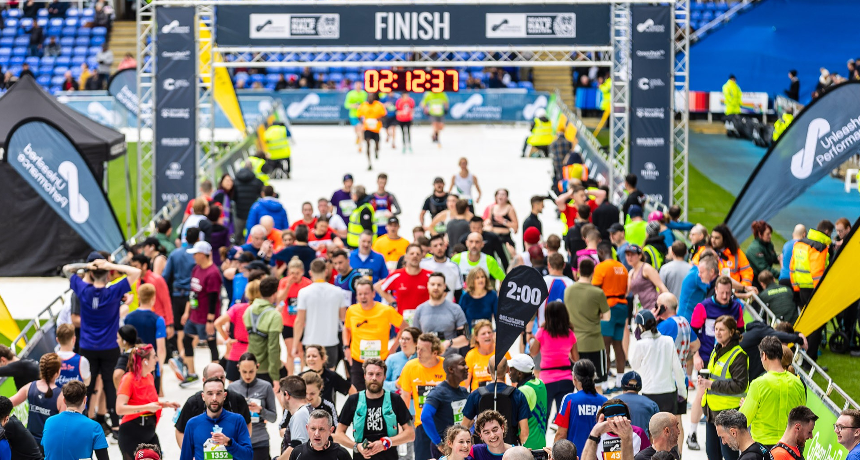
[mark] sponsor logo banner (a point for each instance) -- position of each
(51, 164)
(822, 137)
(650, 100)
(320, 25)
(522, 293)
(175, 102)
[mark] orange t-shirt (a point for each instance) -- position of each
(611, 276)
(782, 454)
(372, 114)
(275, 237)
(140, 392)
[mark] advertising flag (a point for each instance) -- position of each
(523, 292)
(825, 134)
(223, 91)
(837, 290)
(51, 164)
(123, 87)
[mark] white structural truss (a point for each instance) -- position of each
(614, 56)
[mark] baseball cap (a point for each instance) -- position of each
(201, 247)
(146, 454)
(94, 256)
(531, 235)
(633, 248)
(347, 177)
(644, 316)
(615, 228)
(631, 381)
(634, 211)
(438, 179)
(522, 363)
(653, 228)
(536, 253)
(393, 220)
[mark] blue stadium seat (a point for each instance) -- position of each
(317, 69)
(93, 50)
(54, 31)
(76, 72)
(245, 57)
(56, 22)
(22, 40)
(272, 78)
(48, 61)
(696, 15)
(276, 57)
(55, 89)
(99, 31)
(82, 41)
(20, 51)
(78, 60)
(92, 63)
(25, 23)
(73, 13)
(66, 51)
(16, 60)
(32, 61)
(7, 42)
(12, 22)
(307, 57)
(14, 13)
(46, 70)
(290, 57)
(353, 76)
(57, 80)
(711, 6)
(722, 7)
(88, 12)
(97, 41)
(697, 6)
(258, 78)
(85, 19)
(80, 51)
(71, 22)
(43, 22)
(16, 70)
(525, 84)
(63, 61)
(43, 80)
(43, 13)
(230, 58)
(4, 60)
(478, 56)
(5, 51)
(336, 77)
(9, 32)
(67, 41)
(84, 32)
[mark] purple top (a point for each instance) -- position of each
(343, 204)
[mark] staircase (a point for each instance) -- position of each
(123, 39)
(551, 78)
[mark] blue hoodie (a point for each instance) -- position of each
(199, 429)
(693, 291)
(267, 206)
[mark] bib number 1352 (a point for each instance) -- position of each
(523, 294)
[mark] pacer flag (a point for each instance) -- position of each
(824, 135)
(523, 291)
(51, 164)
(837, 290)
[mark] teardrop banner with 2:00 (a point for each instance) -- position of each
(523, 292)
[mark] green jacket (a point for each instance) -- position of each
(762, 256)
(732, 95)
(268, 349)
(165, 243)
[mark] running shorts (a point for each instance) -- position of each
(615, 326)
(371, 136)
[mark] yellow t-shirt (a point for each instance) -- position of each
(477, 364)
(372, 114)
(369, 330)
(392, 250)
(418, 380)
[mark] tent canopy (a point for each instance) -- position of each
(34, 239)
(27, 101)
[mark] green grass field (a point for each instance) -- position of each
(117, 189)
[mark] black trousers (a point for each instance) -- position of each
(102, 362)
(177, 304)
(136, 432)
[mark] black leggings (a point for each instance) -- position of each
(406, 129)
(262, 453)
(132, 434)
(103, 362)
(555, 392)
(177, 303)
(188, 342)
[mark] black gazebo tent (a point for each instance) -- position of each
(34, 240)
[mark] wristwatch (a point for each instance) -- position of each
(596, 439)
(355, 447)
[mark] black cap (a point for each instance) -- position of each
(616, 227)
(631, 381)
(245, 257)
(393, 220)
(94, 256)
(438, 179)
(257, 265)
(347, 177)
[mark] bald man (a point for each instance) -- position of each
(272, 234)
(665, 431)
(473, 258)
(787, 250)
(518, 453)
(195, 406)
(671, 324)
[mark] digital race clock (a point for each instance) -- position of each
(414, 81)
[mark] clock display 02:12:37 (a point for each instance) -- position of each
(415, 81)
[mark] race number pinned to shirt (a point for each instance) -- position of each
(522, 293)
(458, 406)
(369, 349)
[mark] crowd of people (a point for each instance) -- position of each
(400, 324)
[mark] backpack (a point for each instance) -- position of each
(503, 403)
(255, 324)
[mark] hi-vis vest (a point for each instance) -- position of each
(541, 134)
(277, 143)
(360, 416)
(572, 171)
(354, 227)
(809, 258)
(606, 91)
(781, 125)
(465, 268)
(257, 164)
(655, 255)
(720, 371)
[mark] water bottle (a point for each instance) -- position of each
(297, 366)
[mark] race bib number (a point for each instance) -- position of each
(216, 455)
(346, 207)
(709, 327)
(423, 391)
(408, 315)
(437, 110)
(292, 306)
(612, 449)
(365, 272)
(458, 406)
(371, 123)
(369, 349)
(381, 219)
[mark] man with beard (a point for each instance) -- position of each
(375, 415)
(801, 422)
(217, 429)
(443, 407)
(439, 262)
(320, 446)
(732, 428)
(196, 404)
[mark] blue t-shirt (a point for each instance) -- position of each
(179, 266)
(240, 282)
(641, 407)
(395, 363)
(199, 429)
(99, 312)
(373, 266)
(579, 415)
(150, 327)
(787, 250)
(347, 283)
(72, 436)
(693, 291)
(520, 404)
(476, 309)
(670, 329)
(448, 405)
(854, 454)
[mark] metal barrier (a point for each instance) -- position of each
(805, 367)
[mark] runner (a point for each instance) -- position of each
(216, 430)
(342, 202)
(264, 325)
(70, 434)
(443, 406)
(478, 358)
(405, 107)
(395, 361)
(204, 304)
(436, 202)
(354, 98)
(320, 309)
(235, 320)
(406, 288)
(320, 444)
(445, 318)
(389, 122)
(43, 395)
(316, 357)
(261, 402)
(439, 262)
(288, 298)
(150, 327)
(611, 276)
(391, 245)
(346, 275)
(370, 264)
(464, 181)
(384, 203)
(473, 257)
(371, 113)
(501, 217)
(313, 391)
(417, 378)
(436, 106)
(75, 366)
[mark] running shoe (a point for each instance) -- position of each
(114, 437)
(178, 367)
(692, 442)
(189, 380)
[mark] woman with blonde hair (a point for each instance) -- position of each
(479, 301)
(237, 344)
(44, 395)
(457, 444)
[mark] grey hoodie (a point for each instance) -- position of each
(262, 390)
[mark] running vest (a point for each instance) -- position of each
(383, 203)
(254, 328)
(70, 370)
(541, 134)
(465, 268)
(354, 227)
(388, 415)
(556, 292)
(277, 144)
(536, 389)
(41, 407)
(721, 371)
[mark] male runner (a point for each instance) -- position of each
(436, 106)
(353, 101)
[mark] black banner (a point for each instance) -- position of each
(523, 292)
(650, 100)
(822, 137)
(175, 104)
(321, 25)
